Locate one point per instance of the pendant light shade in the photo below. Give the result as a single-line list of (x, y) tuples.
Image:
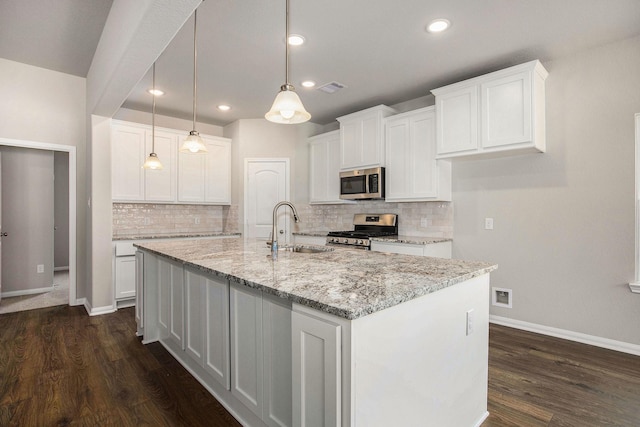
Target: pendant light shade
[(287, 107), (152, 161), (194, 143)]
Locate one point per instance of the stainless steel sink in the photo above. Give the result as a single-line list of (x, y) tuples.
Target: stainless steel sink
[(306, 249)]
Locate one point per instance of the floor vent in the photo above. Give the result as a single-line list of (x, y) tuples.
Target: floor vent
[(332, 87)]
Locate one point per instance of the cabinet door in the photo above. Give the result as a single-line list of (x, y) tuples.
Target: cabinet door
[(194, 290), (333, 169), (160, 185), (423, 169), (350, 144), (218, 171), (276, 322), (140, 291), (370, 144), (125, 277), (318, 171), (398, 158), (127, 158), (164, 297), (246, 346), (316, 353), (191, 177), (216, 321), (176, 311), (506, 110), (457, 115)]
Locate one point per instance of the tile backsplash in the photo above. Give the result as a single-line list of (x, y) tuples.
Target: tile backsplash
[(424, 219), (133, 219)]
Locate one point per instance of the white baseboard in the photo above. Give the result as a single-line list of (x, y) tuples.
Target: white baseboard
[(96, 311), (126, 303), (621, 346), (79, 301), (635, 287), (26, 292)]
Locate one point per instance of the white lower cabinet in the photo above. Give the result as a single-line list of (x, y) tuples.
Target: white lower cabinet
[(139, 258), (309, 240), (317, 370), (171, 301), (261, 354), (207, 324)]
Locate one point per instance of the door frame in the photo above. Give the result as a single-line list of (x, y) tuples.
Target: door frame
[(287, 185), (72, 201)]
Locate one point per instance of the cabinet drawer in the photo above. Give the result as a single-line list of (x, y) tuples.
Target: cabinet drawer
[(125, 249)]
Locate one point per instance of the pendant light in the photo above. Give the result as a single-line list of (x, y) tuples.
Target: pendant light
[(152, 161), (287, 107), (194, 143)]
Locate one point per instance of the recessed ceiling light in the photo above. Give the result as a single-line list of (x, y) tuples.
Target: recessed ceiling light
[(156, 92), (438, 25), (295, 40), (308, 83), (223, 107)]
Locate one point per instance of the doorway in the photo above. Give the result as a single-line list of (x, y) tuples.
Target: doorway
[(69, 154), (266, 183)]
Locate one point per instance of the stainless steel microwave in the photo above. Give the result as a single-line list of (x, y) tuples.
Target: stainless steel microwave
[(362, 184)]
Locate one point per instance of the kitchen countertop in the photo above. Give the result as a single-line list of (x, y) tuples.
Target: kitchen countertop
[(346, 283), (173, 236)]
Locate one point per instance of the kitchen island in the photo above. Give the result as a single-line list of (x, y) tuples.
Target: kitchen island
[(342, 337)]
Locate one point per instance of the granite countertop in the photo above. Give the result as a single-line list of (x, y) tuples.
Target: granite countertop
[(173, 236), (416, 240), (346, 283)]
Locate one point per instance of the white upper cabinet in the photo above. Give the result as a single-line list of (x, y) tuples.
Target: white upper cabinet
[(496, 112), (206, 178), (412, 171), (127, 158), (324, 169), (184, 178), (362, 138), (160, 184)]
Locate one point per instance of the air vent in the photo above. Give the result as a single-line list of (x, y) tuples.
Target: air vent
[(332, 87)]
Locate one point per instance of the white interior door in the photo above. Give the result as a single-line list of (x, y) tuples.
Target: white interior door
[(266, 184)]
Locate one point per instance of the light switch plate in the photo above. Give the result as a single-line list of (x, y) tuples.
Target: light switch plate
[(488, 223)]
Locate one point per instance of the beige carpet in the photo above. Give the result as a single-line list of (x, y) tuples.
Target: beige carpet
[(58, 296)]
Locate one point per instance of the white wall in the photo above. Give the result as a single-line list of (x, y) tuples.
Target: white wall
[(143, 117), (564, 220), (27, 218), (47, 106)]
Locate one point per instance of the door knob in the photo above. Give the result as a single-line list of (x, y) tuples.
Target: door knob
[(281, 231), (4, 234)]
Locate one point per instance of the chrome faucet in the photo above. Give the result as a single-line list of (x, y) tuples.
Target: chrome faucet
[(274, 231)]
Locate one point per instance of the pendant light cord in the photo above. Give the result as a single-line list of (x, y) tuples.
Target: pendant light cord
[(286, 43), (195, 71), (153, 111)]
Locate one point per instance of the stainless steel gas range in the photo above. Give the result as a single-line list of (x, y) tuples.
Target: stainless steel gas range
[(366, 226)]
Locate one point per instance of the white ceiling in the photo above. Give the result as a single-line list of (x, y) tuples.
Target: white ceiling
[(377, 48)]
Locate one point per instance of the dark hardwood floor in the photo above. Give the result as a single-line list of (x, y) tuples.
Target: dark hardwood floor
[(60, 367)]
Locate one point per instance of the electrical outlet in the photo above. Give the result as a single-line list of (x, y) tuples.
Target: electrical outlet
[(40, 268), (469, 322), (197, 220), (147, 221), (424, 222), (502, 297), (488, 223)]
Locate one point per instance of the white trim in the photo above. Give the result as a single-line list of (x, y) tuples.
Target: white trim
[(621, 346), (72, 202), (26, 292), (98, 310), (482, 419), (635, 287), (61, 268)]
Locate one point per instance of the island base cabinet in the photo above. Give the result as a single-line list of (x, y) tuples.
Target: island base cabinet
[(317, 373), (261, 354)]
